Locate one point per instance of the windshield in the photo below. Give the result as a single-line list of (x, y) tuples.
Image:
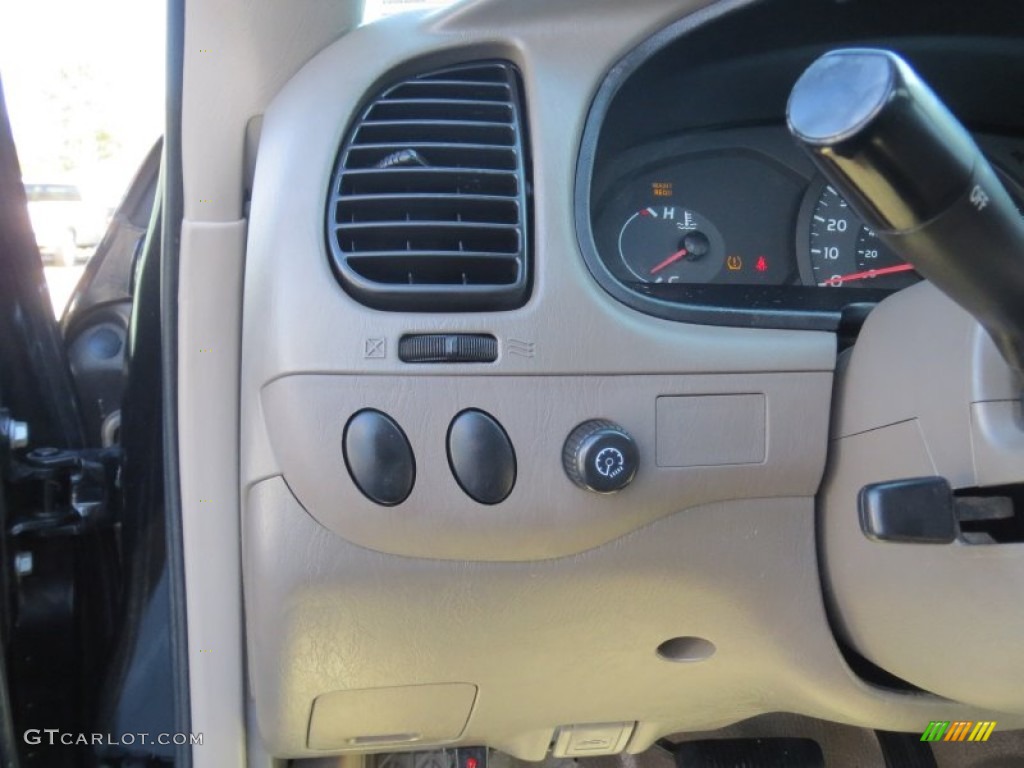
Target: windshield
[(379, 9)]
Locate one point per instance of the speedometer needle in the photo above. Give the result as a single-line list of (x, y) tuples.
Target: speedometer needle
[(838, 279), (681, 253)]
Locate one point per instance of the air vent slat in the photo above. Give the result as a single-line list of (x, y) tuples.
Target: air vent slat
[(399, 269), (428, 210), (447, 89), (424, 256), (469, 111), (436, 155), (455, 131), (436, 237), (406, 228), (476, 181), (426, 207), (496, 72)]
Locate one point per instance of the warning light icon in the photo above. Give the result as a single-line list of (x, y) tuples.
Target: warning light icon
[(762, 264), (661, 189), (734, 263)]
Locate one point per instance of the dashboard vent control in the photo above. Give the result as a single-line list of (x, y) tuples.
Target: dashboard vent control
[(428, 209), (448, 348)]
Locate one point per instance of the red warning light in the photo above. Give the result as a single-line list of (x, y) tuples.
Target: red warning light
[(762, 264), (471, 762)]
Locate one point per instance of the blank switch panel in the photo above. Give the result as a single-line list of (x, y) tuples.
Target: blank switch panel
[(710, 430)]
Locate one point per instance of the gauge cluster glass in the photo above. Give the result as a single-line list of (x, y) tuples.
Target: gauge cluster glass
[(695, 247), (837, 250), (709, 218), (693, 121), (740, 221)]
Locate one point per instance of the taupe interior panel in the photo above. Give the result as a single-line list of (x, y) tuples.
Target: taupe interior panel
[(236, 55), (545, 515), (300, 320), (378, 717), (711, 430), (946, 410), (550, 605), (557, 642)]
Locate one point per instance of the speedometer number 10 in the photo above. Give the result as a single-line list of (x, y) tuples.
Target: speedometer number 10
[(844, 252)]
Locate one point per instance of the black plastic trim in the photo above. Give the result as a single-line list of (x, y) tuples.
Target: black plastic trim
[(745, 306), (756, 306), (917, 510), (761, 752), (173, 214), (448, 348), (379, 457), (905, 750), (35, 378), (425, 277), (481, 456)]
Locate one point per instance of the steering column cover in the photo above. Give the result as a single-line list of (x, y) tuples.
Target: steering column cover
[(926, 393)]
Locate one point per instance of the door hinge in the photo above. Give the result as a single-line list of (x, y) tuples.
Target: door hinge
[(74, 490), (61, 555)]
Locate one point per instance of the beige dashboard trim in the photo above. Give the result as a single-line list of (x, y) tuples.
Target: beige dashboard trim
[(208, 336), (545, 516), (239, 54), (565, 641)]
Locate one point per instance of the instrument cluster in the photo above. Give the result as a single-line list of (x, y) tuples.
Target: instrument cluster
[(739, 219)]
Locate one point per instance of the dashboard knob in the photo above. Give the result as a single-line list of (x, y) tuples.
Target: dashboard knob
[(600, 456)]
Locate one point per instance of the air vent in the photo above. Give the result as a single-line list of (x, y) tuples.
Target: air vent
[(428, 205)]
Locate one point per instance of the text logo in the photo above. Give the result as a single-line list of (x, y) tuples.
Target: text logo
[(978, 198), (958, 730)]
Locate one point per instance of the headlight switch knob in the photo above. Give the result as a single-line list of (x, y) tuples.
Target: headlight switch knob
[(600, 456)]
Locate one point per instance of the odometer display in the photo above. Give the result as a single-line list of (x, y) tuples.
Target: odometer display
[(844, 253)]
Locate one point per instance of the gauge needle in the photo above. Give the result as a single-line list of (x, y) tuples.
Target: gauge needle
[(867, 274), (681, 253)]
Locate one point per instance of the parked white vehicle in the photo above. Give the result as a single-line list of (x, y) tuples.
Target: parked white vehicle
[(63, 222)]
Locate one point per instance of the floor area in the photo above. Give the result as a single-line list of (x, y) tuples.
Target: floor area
[(843, 746)]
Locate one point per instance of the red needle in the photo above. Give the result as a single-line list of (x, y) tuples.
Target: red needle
[(670, 260), (869, 273)]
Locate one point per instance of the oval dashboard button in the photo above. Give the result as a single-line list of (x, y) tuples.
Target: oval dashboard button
[(481, 457), (379, 457)]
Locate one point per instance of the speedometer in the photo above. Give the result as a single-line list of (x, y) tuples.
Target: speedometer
[(839, 251)]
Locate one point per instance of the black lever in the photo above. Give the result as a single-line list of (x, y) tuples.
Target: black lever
[(907, 166)]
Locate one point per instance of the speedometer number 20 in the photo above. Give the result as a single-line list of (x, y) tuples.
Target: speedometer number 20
[(844, 252)]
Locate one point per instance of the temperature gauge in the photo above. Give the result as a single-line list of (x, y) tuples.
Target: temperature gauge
[(670, 244)]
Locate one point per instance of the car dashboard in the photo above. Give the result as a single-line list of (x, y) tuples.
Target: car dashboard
[(735, 226), (497, 248), (688, 135)]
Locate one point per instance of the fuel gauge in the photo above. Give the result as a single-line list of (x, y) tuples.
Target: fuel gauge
[(671, 244)]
